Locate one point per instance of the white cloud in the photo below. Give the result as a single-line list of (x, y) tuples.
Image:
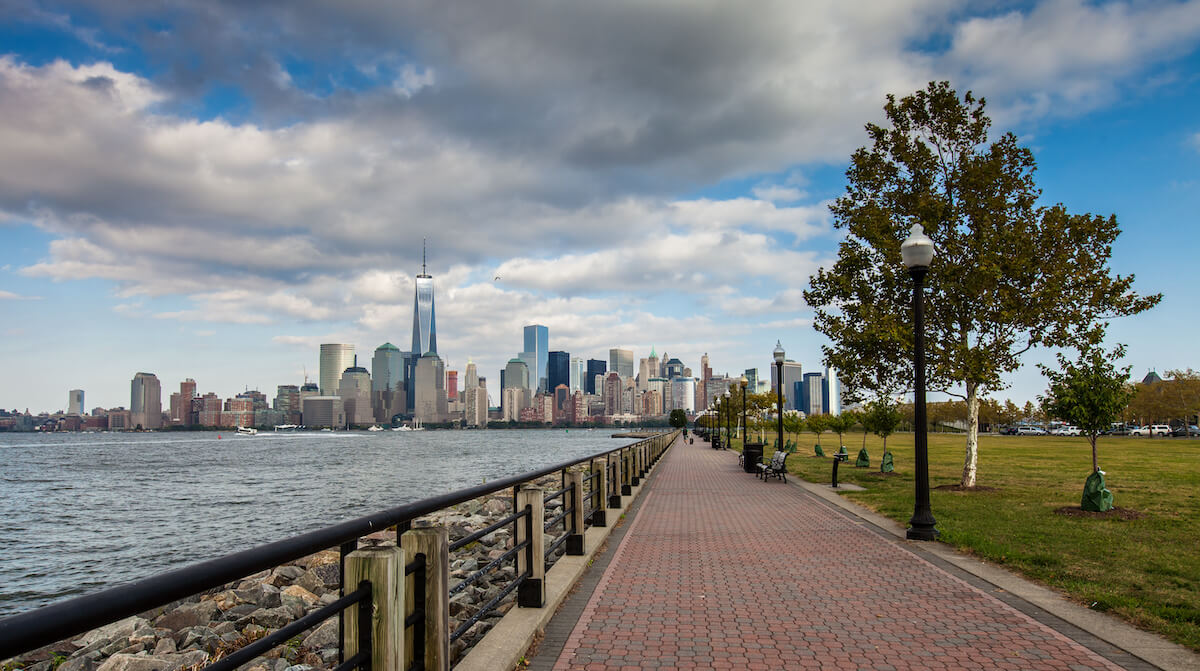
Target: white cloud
[(10, 296)]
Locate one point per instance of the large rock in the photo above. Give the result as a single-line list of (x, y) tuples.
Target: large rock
[(152, 662), (298, 593), (82, 663), (320, 578), (325, 636), (271, 618), (119, 629), (320, 559), (189, 615), (495, 507)]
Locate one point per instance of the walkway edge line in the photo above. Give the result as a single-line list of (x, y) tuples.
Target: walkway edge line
[(1149, 647), (508, 641)]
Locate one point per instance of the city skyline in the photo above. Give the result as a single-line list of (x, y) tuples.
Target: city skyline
[(205, 200)]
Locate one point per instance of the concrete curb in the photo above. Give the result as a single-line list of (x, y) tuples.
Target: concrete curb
[(1149, 647), (509, 640)]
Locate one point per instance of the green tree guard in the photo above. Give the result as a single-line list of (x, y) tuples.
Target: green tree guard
[(1096, 496), (817, 451), (863, 460), (886, 465), (843, 453)]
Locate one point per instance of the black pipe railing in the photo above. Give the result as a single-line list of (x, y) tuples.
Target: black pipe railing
[(28, 631)]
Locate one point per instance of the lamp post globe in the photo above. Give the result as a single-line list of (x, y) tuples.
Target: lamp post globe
[(917, 253), (779, 358)]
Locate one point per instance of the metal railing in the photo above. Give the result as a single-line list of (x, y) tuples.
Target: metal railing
[(60, 621)]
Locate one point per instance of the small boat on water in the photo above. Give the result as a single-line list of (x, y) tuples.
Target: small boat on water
[(416, 426), (247, 431), (375, 428), (287, 427)]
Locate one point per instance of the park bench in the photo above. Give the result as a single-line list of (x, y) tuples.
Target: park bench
[(776, 469)]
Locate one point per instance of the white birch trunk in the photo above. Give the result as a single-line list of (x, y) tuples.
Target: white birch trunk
[(970, 465)]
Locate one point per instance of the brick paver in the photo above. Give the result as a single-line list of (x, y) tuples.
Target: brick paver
[(722, 571)]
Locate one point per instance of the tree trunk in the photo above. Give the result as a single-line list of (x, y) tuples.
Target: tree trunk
[(972, 458), (1095, 460)]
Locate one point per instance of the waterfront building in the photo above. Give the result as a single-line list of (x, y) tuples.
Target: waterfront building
[(287, 403), (530, 359), (75, 402), (424, 330), (537, 343), (430, 389), (577, 371), (716, 386), (335, 359), (653, 364), (683, 394), (256, 397), (811, 393), (355, 392), (579, 407), (558, 370), (471, 377), (324, 412), (181, 404), (120, 419), (475, 397), (239, 411), (831, 393), (514, 401), (652, 403), (210, 409), (451, 385), (702, 383), (672, 369), (516, 374), (593, 380), (621, 361), (562, 399), (643, 376), (791, 375), (752, 379), (145, 404), (612, 393), (387, 368)]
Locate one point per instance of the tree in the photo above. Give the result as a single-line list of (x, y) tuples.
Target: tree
[(1090, 393), (882, 418), (817, 424), (842, 423), (1009, 275), (678, 418)]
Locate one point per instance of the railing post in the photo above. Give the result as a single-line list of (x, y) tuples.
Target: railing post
[(578, 522), (600, 488), (613, 480), (532, 592), (431, 636), (626, 484), (383, 566)]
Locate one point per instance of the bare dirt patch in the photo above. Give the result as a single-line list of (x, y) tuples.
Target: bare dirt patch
[(1115, 513)]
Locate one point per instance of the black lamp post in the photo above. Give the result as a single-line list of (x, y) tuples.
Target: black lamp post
[(779, 354), (917, 253), (728, 416), (744, 382)]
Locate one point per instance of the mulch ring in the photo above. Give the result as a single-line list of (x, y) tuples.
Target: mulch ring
[(1114, 513), (960, 488)]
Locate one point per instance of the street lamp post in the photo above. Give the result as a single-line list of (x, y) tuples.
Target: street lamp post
[(728, 414), (779, 354), (917, 253), (744, 382)]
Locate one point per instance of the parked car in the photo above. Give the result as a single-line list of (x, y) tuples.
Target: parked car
[(1182, 430), (1118, 429), (1008, 430), (1151, 430), (1067, 430), (1030, 431)]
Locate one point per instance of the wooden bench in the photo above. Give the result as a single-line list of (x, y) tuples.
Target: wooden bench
[(777, 468)]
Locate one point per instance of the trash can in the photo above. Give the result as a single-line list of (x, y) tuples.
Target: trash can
[(752, 456)]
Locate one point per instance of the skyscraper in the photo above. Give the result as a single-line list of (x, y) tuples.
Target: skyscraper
[(594, 367), (537, 343), (75, 402), (335, 358), (558, 370), (791, 375), (621, 361), (388, 391), (577, 371), (811, 393), (429, 388), (424, 334), (145, 401), (831, 389), (471, 377), (354, 388)]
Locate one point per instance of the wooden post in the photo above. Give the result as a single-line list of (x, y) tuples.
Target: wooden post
[(626, 484), (614, 462), (532, 592), (635, 466), (578, 523), (600, 487), (383, 565), (433, 544)]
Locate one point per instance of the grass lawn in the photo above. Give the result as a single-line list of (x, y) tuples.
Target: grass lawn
[(1146, 569)]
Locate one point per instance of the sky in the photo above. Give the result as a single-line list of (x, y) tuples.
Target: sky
[(212, 189)]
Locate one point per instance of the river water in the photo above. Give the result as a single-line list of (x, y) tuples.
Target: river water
[(82, 512)]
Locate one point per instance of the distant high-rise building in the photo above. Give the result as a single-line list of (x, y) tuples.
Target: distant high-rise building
[(558, 370), (537, 343), (181, 404), (576, 374), (388, 388), (514, 376), (620, 361), (752, 377), (287, 401), (673, 369), (335, 359), (355, 391), (475, 397), (702, 383), (451, 385), (324, 412), (145, 404), (791, 375), (683, 394), (595, 367), (430, 389), (831, 392), (654, 364), (75, 402), (612, 393), (811, 393), (471, 379), (424, 331)]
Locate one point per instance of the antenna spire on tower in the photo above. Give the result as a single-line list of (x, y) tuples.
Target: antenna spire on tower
[(423, 272)]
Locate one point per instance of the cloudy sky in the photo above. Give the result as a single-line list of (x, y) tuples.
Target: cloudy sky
[(211, 189)]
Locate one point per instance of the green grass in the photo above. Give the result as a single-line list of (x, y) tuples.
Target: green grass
[(1145, 570)]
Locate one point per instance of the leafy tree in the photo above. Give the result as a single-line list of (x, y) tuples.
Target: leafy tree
[(817, 424), (1009, 275), (882, 418), (678, 418), (842, 423)]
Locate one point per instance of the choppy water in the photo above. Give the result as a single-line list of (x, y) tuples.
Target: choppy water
[(81, 512)]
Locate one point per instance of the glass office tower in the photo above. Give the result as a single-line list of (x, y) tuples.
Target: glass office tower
[(537, 343)]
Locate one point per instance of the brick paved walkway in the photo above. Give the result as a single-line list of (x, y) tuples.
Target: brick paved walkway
[(720, 570)]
